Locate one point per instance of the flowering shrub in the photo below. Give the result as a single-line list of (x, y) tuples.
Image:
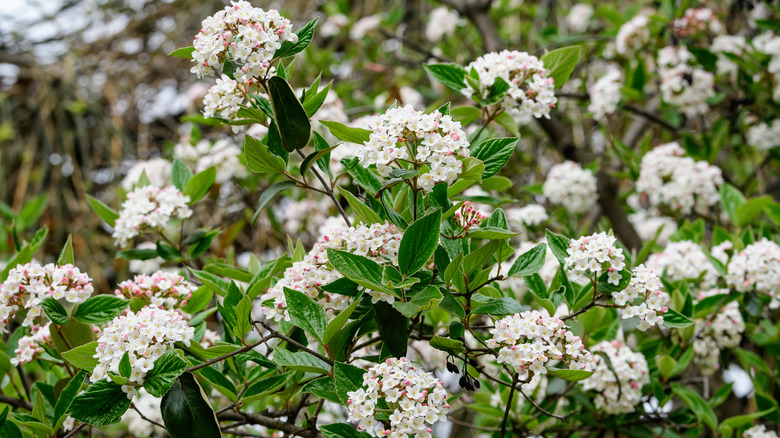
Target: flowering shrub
[(576, 239)]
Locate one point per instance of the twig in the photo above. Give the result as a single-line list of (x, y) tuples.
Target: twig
[(132, 405), (508, 405), (75, 431), (297, 344), (233, 353)]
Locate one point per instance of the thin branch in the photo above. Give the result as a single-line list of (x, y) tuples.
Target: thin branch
[(225, 356), (132, 405)]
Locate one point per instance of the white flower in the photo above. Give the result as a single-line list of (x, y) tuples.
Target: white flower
[(157, 170), (593, 255), (684, 260), (632, 35), (605, 93), (149, 206), (404, 134), (571, 186), (695, 21), (647, 226), (442, 23), (531, 91), (531, 215), (30, 346), (646, 286), (733, 44), (757, 267), (363, 26), (682, 84), (764, 136), (759, 431), (678, 182), (224, 98), (579, 17), (417, 398), (621, 395), (723, 331), (250, 35)]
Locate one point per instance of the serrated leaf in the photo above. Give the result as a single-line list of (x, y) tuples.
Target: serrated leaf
[(103, 403), (560, 63), (306, 313), (494, 154), (100, 309), (166, 369)]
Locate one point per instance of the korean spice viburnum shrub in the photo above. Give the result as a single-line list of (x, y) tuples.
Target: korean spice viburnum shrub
[(406, 138), (416, 399), (379, 242), (530, 341), (531, 91), (143, 336), (618, 381)]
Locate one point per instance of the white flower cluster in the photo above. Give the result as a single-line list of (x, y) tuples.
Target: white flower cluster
[(645, 285), (769, 44), (682, 84), (579, 17), (166, 290), (684, 260), (678, 182), (224, 98), (145, 336), (379, 242), (157, 170), (596, 254), (442, 22), (28, 285), (531, 91), (695, 21), (30, 346), (304, 216), (647, 226), (571, 186), (249, 36), (757, 267), (764, 136), (417, 398), (734, 44), (531, 215), (529, 340), (759, 431), (632, 35), (605, 93), (619, 383), (723, 331), (405, 135), (149, 206), (222, 154)]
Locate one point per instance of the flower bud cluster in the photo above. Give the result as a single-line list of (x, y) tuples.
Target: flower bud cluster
[(684, 260), (596, 254), (222, 154), (646, 286), (246, 35), (530, 340), (149, 206), (404, 135), (757, 267), (379, 242), (145, 336), (30, 346), (605, 93), (417, 398), (632, 35), (676, 181), (682, 84), (166, 290), (531, 90), (619, 382), (571, 186), (723, 331), (27, 285), (695, 21), (467, 216)]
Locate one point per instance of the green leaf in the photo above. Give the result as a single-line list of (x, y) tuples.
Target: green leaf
[(494, 153), (100, 309), (166, 369), (314, 157), (418, 243), (393, 328), (359, 269), (243, 318), (183, 52), (269, 194), (530, 262), (363, 213), (466, 114), (499, 307), (675, 319), (200, 184), (570, 375), (347, 378), (300, 361), (66, 256), (71, 335), (491, 233), (559, 245), (54, 311), (66, 398), (742, 420), (291, 119), (220, 382), (217, 285), (265, 386), (731, 199), (259, 159), (180, 174), (305, 35), (480, 257), (697, 404), (750, 210), (448, 345), (81, 356), (103, 403), (666, 365), (108, 214), (315, 99), (472, 171), (342, 430), (30, 212), (335, 325), (450, 75), (124, 365), (186, 410), (346, 133), (423, 300), (561, 63), (306, 313), (605, 286)]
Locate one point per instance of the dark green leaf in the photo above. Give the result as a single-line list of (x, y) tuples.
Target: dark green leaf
[(530, 262), (291, 119), (418, 243), (393, 328), (166, 369), (124, 365), (494, 153), (55, 311), (306, 313), (697, 404), (66, 398), (500, 307), (103, 403), (347, 378), (559, 245), (269, 194), (305, 35), (186, 411)]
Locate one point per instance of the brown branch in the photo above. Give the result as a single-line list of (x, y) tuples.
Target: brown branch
[(269, 422), (15, 402)]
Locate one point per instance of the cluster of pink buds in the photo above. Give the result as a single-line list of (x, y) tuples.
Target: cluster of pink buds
[(467, 217)]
